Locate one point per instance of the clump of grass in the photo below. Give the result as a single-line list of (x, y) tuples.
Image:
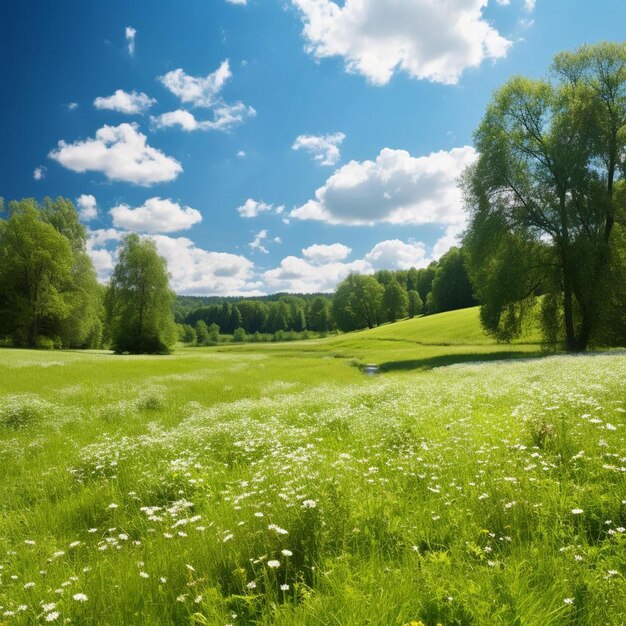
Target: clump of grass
[(18, 411)]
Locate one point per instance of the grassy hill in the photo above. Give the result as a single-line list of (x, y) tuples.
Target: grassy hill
[(418, 343)]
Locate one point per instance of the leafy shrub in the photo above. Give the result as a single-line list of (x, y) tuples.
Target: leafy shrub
[(45, 343)]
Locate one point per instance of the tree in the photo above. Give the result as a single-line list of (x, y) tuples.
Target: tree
[(214, 333), (358, 302), (451, 287), (395, 301), (36, 288), (416, 305), (139, 300), (545, 185), (188, 334), (202, 333), (320, 315), (35, 271)]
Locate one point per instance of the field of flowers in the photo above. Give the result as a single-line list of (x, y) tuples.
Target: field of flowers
[(240, 488)]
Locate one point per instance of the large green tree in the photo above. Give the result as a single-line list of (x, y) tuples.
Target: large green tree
[(35, 271), (358, 302), (139, 300), (543, 196)]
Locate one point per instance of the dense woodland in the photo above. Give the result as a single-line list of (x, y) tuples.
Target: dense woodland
[(546, 243)]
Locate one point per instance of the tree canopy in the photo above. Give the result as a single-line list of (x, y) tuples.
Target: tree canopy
[(543, 196), (139, 300)]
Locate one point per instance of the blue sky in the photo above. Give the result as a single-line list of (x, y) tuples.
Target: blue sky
[(266, 145)]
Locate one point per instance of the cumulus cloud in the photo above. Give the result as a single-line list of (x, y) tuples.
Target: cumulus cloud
[(253, 208), (394, 254), (240, 2), (132, 103), (72, 106), (396, 188), (297, 275), (130, 34), (39, 173), (155, 215), (194, 270), (322, 267), (197, 91), (321, 253), (257, 243), (323, 148), (87, 207), (102, 256), (225, 118), (428, 40), (529, 5), (120, 153)]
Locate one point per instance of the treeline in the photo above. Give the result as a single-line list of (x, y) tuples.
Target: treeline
[(50, 296), (359, 302)]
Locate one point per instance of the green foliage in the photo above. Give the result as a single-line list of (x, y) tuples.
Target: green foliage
[(47, 281), (139, 300), (35, 270), (451, 287), (544, 195), (202, 333), (415, 306), (214, 333), (239, 335), (358, 302), (395, 301)]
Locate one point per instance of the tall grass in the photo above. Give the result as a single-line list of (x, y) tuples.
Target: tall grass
[(240, 488)]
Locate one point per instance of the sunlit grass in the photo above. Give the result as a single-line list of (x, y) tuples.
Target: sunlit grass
[(279, 485)]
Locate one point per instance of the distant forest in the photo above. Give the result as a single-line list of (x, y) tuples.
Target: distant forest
[(50, 297)]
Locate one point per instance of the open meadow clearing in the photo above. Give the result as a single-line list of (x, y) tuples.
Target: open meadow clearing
[(276, 484)]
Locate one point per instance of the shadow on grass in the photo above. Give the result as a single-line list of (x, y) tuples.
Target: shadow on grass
[(452, 359)]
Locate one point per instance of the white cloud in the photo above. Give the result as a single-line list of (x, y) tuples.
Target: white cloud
[(323, 267), (324, 148), (225, 118), (155, 215), (396, 188), (103, 258), (252, 208), (396, 255), (130, 103), (72, 106), (87, 207), (39, 173), (321, 253), (299, 275), (196, 90), (529, 5), (240, 2), (194, 270), (130, 33), (257, 242), (120, 153), (241, 154), (428, 39)]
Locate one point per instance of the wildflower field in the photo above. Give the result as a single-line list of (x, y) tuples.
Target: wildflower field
[(269, 484)]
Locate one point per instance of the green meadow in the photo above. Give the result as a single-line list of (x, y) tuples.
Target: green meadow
[(469, 482)]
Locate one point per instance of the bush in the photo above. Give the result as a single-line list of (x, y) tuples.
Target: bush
[(239, 335), (45, 343)]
